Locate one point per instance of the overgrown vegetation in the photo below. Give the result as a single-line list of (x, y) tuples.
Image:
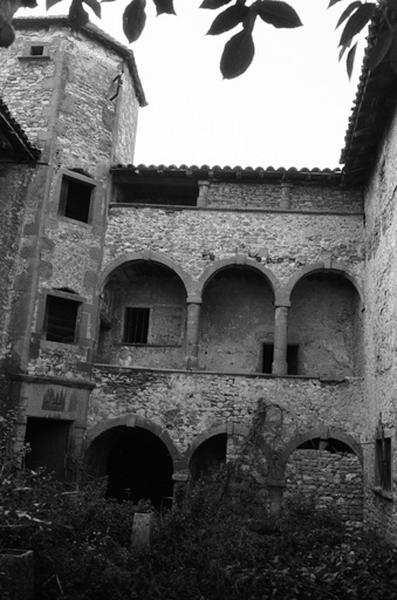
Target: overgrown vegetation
[(214, 546)]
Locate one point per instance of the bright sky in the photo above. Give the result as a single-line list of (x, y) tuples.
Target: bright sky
[(289, 109)]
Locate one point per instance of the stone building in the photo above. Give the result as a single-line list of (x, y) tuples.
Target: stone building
[(154, 317)]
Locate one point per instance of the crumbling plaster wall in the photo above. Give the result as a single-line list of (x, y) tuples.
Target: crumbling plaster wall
[(164, 295), (237, 317), (380, 318), (325, 323)]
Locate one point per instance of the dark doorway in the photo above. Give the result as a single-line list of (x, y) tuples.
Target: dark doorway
[(209, 456), (137, 464), (48, 440)]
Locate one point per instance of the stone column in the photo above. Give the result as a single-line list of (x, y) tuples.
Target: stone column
[(192, 332), (203, 193), (280, 366)]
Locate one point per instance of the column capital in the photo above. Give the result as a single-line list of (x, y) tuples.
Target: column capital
[(193, 299), (283, 304)]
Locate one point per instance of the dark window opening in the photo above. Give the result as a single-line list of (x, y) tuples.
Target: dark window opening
[(383, 463), (183, 192), (75, 199), (330, 445), (48, 441), (292, 358), (136, 325), (61, 319), (267, 358), (36, 50)]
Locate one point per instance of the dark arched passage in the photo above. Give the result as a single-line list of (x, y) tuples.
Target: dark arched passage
[(136, 462), (208, 456)]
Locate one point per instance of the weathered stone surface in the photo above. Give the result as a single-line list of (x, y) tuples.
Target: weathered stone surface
[(321, 480)]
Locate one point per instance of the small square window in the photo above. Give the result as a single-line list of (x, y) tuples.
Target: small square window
[(383, 463), (75, 200), (36, 50), (136, 325), (61, 319)]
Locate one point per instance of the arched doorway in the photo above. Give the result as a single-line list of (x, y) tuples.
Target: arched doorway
[(136, 462), (208, 457), (325, 474)]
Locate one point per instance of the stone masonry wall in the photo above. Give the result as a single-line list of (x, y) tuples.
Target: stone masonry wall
[(326, 481), (14, 182), (380, 318), (285, 241), (188, 404), (67, 94), (305, 196)]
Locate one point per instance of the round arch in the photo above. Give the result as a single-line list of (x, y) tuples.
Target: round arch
[(147, 256), (320, 268), (223, 428), (132, 420), (237, 260), (322, 433)]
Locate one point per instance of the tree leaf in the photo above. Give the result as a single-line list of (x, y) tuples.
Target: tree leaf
[(278, 14), (50, 3), (380, 49), (350, 60), (78, 17), (7, 34), (393, 56), (237, 54), (94, 6), (347, 12), (134, 18), (164, 6), (213, 3), (228, 19), (357, 22)]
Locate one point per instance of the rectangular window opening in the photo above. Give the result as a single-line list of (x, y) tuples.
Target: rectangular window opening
[(75, 199), (36, 50), (292, 358), (136, 325), (61, 319), (383, 463)]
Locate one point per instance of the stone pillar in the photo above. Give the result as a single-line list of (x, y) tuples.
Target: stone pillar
[(192, 332), (203, 193), (180, 480), (280, 366)]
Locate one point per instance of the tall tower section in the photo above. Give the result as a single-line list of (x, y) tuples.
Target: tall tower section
[(76, 95)]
